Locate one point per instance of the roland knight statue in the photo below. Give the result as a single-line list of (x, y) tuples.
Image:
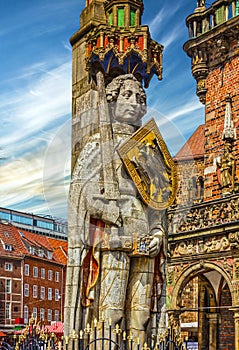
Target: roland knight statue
[(124, 179)]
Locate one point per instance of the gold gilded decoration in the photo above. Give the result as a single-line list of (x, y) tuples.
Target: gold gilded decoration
[(148, 162)]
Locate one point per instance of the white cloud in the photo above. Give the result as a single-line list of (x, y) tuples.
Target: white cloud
[(172, 36), (35, 107), (185, 109), (32, 118)]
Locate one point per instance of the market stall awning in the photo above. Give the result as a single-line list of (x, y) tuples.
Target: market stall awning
[(56, 327)]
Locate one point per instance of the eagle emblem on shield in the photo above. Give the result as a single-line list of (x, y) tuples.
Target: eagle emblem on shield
[(150, 165)]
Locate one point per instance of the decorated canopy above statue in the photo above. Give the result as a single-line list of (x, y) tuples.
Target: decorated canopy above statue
[(117, 43)]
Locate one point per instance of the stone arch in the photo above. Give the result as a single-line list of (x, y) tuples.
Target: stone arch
[(191, 271)]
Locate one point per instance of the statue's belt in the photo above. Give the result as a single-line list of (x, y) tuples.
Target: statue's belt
[(135, 244)]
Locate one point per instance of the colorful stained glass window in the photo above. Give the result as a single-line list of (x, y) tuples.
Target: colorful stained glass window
[(121, 17), (132, 17), (237, 8), (110, 18), (219, 15)]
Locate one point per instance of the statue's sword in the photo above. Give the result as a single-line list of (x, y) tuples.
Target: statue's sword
[(110, 193), (110, 183)]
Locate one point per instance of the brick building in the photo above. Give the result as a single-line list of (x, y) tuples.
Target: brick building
[(32, 276), (203, 264)]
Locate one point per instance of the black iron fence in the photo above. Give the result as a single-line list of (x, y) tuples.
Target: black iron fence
[(101, 336)]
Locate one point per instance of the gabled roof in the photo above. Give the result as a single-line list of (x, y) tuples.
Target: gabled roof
[(194, 147), (60, 249), (20, 240), (9, 236)]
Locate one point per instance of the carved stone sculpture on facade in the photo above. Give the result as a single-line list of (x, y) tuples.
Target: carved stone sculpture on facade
[(227, 170), (116, 242), (227, 162)]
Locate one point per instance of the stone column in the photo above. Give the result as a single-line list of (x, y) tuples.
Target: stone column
[(212, 322), (236, 323)]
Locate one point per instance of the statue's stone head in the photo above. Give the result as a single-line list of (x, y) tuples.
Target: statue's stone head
[(127, 100)]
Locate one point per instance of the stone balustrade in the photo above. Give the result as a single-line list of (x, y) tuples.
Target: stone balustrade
[(204, 19)]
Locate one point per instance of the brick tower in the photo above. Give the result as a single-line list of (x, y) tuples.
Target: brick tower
[(213, 47), (204, 240)]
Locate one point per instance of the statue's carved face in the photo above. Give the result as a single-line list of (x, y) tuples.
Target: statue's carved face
[(130, 106), (127, 99)]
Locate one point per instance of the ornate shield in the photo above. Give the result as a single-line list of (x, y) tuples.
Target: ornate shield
[(149, 163)]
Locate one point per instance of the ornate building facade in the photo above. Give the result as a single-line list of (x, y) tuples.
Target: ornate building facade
[(203, 261)]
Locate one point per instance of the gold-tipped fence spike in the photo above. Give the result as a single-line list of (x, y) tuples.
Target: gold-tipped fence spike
[(117, 329), (74, 335), (88, 330), (130, 336), (145, 347), (102, 318)]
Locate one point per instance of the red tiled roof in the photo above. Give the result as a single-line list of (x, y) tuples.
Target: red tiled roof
[(194, 147), (9, 235), (20, 239), (60, 249)]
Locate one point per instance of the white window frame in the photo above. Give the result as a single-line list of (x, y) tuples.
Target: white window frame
[(34, 291), (34, 312), (31, 250), (57, 295), (56, 315), (50, 275), (8, 311), (49, 315), (8, 247), (49, 293), (42, 314), (49, 255), (26, 270), (8, 266), (57, 276), (43, 273), (42, 297), (35, 271), (26, 313), (26, 290), (8, 286), (41, 253)]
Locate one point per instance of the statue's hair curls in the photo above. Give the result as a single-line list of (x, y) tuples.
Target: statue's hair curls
[(113, 88)]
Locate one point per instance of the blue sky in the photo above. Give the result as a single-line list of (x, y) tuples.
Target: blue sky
[(35, 99)]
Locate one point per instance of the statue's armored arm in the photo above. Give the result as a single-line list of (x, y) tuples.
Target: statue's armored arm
[(103, 209), (156, 231)]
